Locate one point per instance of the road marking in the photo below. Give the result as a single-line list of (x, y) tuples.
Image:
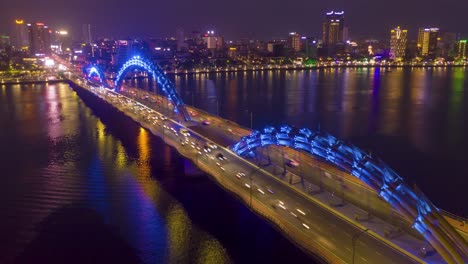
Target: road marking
[(364, 259), (348, 249)]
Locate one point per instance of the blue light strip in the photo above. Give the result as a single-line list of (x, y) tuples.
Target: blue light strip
[(94, 70), (157, 74), (376, 174)]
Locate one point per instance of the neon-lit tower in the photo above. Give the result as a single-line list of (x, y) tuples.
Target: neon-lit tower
[(398, 40), (332, 28)]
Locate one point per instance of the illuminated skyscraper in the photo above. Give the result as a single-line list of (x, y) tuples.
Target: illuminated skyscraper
[(398, 39), (332, 28), (210, 40), (39, 39), (461, 54), (20, 39), (427, 41), (294, 41)]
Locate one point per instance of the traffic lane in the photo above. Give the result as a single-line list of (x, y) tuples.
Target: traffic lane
[(332, 224), (217, 137), (415, 243), (316, 231), (361, 196)]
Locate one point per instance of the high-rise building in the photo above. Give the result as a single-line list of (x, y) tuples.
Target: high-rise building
[(39, 39), (332, 28), (87, 37), (210, 39), (398, 39), (427, 41), (461, 54), (20, 38), (294, 41)]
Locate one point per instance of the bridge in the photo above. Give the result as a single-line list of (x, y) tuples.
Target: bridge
[(401, 227)]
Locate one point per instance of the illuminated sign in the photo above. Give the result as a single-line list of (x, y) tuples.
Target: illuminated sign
[(19, 21)]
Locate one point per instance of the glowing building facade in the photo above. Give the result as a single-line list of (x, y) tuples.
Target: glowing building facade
[(461, 53), (332, 28), (294, 41), (427, 41), (398, 40)]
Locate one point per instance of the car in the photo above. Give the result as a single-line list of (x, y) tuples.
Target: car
[(206, 148), (292, 163), (240, 175), (211, 145), (220, 156), (206, 122), (184, 132)]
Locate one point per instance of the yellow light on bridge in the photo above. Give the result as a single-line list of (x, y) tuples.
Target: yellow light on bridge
[(19, 21)]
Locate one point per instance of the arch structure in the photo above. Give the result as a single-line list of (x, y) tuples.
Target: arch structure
[(156, 73), (413, 205), (94, 70)]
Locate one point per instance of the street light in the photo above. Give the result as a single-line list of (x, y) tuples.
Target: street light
[(355, 238)]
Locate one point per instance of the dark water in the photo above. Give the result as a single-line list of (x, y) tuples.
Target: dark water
[(86, 185), (413, 119)]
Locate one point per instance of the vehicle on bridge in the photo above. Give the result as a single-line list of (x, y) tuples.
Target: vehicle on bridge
[(184, 132), (292, 163)]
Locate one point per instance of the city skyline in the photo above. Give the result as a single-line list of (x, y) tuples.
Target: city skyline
[(260, 20)]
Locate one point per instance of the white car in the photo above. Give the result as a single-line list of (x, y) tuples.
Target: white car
[(184, 132), (211, 145)]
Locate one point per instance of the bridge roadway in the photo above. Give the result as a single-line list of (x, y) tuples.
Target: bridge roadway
[(225, 132), (309, 222), (315, 173)]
